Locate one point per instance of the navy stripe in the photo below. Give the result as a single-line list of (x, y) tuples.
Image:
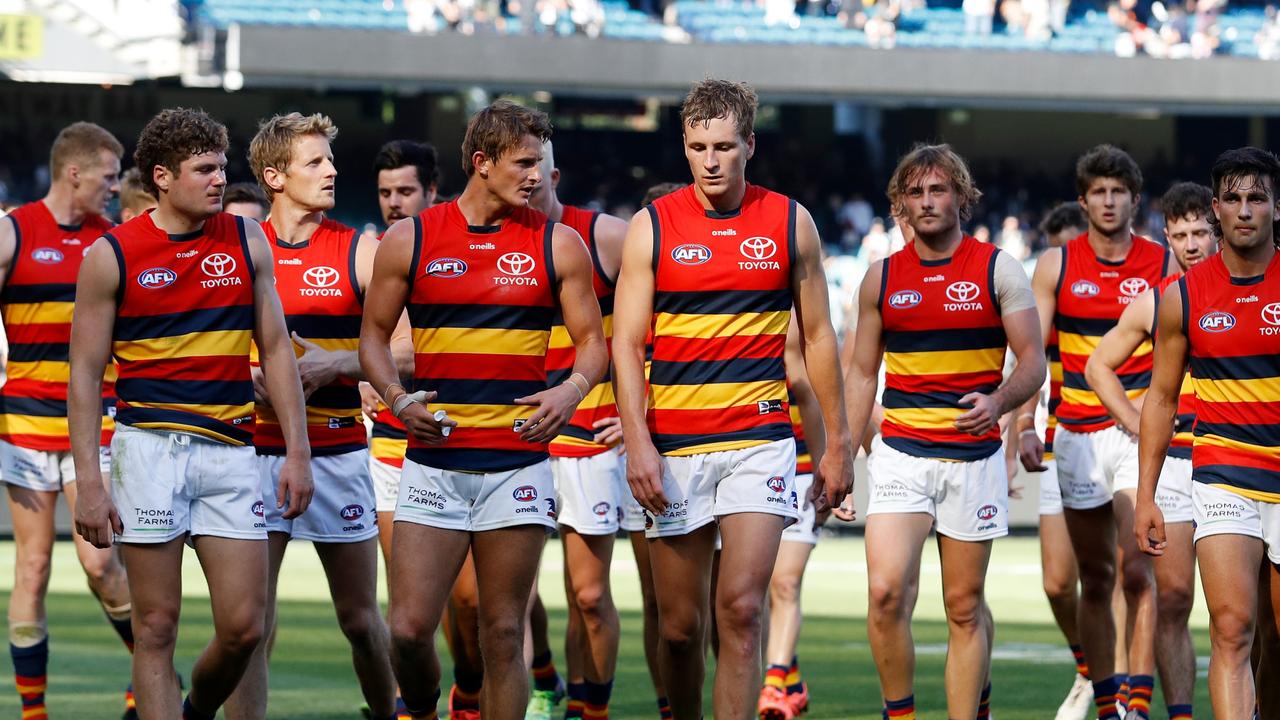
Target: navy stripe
[(722, 302), (964, 452), (383, 430), (1237, 476), (1242, 367), (482, 392), (37, 407), (146, 327), (657, 237), (316, 451), (884, 283), (1092, 327), (1130, 381), (43, 292), (37, 352), (186, 392), (244, 247), (1186, 306), (1062, 274), (120, 284), (17, 241), (1266, 435), (417, 252), (142, 415), (1070, 423), (606, 309), (991, 282), (475, 460), (1052, 353), (498, 317), (1184, 422), (336, 397), (1182, 453), (609, 282), (793, 249), (703, 372), (802, 447), (580, 433), (557, 377), (335, 327), (351, 268), (671, 442), (896, 399), (906, 341), (549, 255)]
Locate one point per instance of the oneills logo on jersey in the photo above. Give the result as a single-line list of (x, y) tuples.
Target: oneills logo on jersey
[(758, 251), (963, 296), (1084, 289), (46, 256), (691, 254), (1271, 316), (219, 267), (905, 299), (1217, 321), (515, 267), (156, 278), (447, 267), (321, 280)]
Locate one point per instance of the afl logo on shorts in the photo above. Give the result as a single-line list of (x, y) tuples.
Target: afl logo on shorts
[(46, 256), (1217, 321), (776, 484), (525, 493), (447, 268), (905, 299), (987, 512), (1084, 289), (258, 508), (601, 509), (351, 513), (157, 278), (691, 254)]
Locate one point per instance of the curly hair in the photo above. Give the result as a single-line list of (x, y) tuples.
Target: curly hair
[(714, 99), (272, 147), (80, 143), (926, 158), (500, 128), (1187, 200), (1107, 161), (134, 197), (1234, 167), (171, 137)]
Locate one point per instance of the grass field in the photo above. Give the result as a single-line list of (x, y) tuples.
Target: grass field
[(312, 679)]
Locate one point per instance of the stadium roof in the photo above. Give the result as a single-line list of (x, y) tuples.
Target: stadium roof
[(68, 56)]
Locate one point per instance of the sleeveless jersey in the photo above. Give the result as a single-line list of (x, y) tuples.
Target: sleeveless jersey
[(322, 302), (721, 307), (184, 327), (1233, 332), (36, 305), (1185, 420), (1091, 295), (1054, 358), (804, 460), (575, 439), (943, 339), (481, 304)]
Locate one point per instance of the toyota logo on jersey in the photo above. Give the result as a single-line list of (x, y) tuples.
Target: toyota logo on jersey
[(514, 267), (320, 276), (963, 291), (758, 251), (1134, 286), (1271, 316), (218, 265)]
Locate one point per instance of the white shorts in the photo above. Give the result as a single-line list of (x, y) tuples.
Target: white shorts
[(968, 500), (386, 485), (705, 487), (1050, 492), (1173, 494), (342, 507), (1222, 512), (1093, 466), (169, 484), (803, 531), (43, 470), (475, 502), (592, 492), (633, 518)]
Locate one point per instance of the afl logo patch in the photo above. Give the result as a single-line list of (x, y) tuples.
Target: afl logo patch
[(987, 512), (525, 493), (447, 268), (1217, 321), (351, 512), (258, 508), (156, 278), (1084, 289), (905, 299), (691, 254), (47, 256), (601, 509), (776, 484)]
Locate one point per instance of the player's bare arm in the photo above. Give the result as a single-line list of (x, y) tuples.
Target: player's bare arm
[(8, 247), (91, 329), (581, 313), (280, 375), (384, 306), (806, 402), (610, 233), (1044, 286), (633, 310), (1116, 347), (821, 361), (1158, 413), (864, 365), (1022, 328)]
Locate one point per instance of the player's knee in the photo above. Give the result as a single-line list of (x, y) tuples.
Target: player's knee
[(502, 639), (964, 608), (155, 628), (1059, 587), (33, 570), (682, 631), (1173, 605), (1231, 632), (784, 590), (464, 602), (242, 634), (887, 600), (592, 601), (1136, 577), (1097, 580), (409, 630), (741, 612), (360, 624)]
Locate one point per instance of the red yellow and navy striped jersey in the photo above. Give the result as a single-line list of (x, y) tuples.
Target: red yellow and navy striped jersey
[(1233, 333), (481, 304), (721, 307), (184, 328), (388, 439), (1054, 358), (1091, 295), (1185, 419), (804, 460), (322, 302), (36, 305), (943, 339), (575, 440)]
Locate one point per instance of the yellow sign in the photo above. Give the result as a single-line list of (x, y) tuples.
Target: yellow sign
[(21, 37)]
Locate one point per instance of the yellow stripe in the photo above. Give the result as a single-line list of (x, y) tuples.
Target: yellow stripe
[(41, 371), (924, 418), (31, 687), (944, 361), (35, 425), (1259, 495), (574, 441), (332, 344), (480, 341), (386, 447), (223, 413), (485, 416), (196, 344), (1075, 396), (717, 447), (1242, 391), (43, 313), (601, 394), (192, 429), (1072, 344), (559, 339), (720, 326), (1055, 371), (716, 395), (1188, 385), (1266, 451)]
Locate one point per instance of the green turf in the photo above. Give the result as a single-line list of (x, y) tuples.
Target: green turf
[(312, 680)]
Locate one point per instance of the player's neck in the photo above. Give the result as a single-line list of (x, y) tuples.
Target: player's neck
[(1250, 262), (62, 205), (1110, 247), (293, 223), (726, 202), (480, 207), (938, 247), (555, 208), (175, 222)]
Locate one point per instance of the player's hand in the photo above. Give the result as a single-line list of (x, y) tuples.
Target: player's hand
[(644, 476), (260, 396), (421, 423), (95, 516), (834, 478), (369, 400), (1015, 491), (984, 415), (295, 488), (315, 366), (845, 511), (608, 431), (1148, 527), (820, 519), (1031, 451), (555, 408)]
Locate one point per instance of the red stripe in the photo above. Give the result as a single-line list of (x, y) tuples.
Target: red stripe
[(713, 421), (269, 435), (891, 429), (677, 349), (1214, 455), (468, 366), (487, 439), (1237, 413), (209, 367), (942, 382), (560, 358), (52, 333)]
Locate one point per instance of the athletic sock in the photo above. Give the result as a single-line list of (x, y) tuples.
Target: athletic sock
[(795, 684), (776, 676), (120, 622), (544, 672), (1140, 687), (1122, 691), (427, 713), (189, 712), (595, 698), (904, 709), (577, 704), (1104, 697), (664, 709), (30, 668), (1082, 667), (466, 691), (130, 702), (1180, 712), (984, 703)]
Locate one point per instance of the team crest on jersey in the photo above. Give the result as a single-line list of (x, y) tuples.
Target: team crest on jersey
[(905, 299), (156, 278), (758, 250), (1085, 289), (47, 256), (691, 254), (447, 268), (515, 268), (1217, 321)]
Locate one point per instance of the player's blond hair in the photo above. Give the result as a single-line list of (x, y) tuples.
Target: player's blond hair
[(499, 128), (714, 99), (272, 147), (134, 196), (80, 143), (926, 158)]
